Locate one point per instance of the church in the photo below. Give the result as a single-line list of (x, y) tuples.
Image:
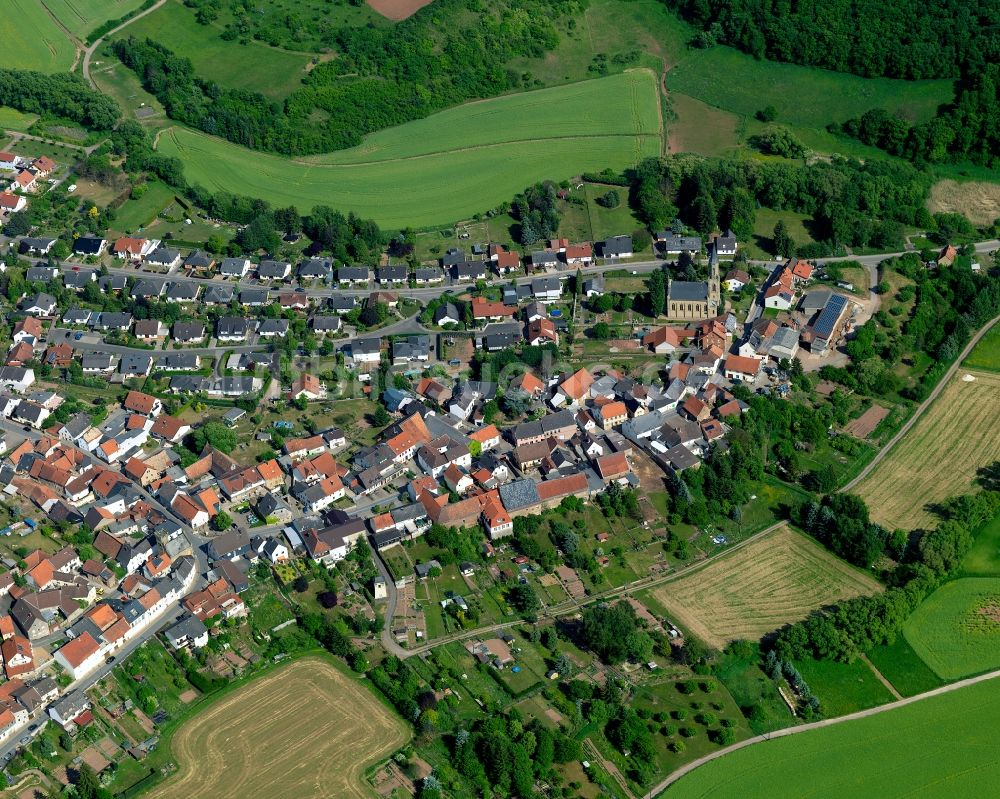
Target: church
[(694, 299)]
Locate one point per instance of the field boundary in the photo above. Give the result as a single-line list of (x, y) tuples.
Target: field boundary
[(658, 789)]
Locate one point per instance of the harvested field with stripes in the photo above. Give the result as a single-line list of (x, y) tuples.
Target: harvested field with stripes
[(305, 730), (775, 580), (939, 456)]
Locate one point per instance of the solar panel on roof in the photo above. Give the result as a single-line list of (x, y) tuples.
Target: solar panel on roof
[(829, 315)]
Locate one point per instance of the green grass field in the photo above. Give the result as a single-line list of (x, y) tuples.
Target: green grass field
[(956, 630), (700, 127), (82, 16), (983, 559), (452, 164), (938, 748), (32, 38), (986, 354), (843, 687), (136, 213), (903, 667), (12, 119), (254, 66), (803, 96)]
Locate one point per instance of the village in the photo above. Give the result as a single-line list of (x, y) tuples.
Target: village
[(171, 432)]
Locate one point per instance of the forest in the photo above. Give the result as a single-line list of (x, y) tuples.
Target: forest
[(64, 96), (382, 77)]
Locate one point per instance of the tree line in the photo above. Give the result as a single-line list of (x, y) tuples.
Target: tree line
[(925, 559)]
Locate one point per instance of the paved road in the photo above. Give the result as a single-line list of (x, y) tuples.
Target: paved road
[(168, 615), (662, 786), (941, 385)]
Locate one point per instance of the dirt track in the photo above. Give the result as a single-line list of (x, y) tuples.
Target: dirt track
[(305, 731)]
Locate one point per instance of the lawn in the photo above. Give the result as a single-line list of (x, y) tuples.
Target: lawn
[(956, 630), (759, 588), (253, 66), (939, 456), (803, 96), (763, 230), (903, 667), (938, 748), (452, 164), (135, 214), (986, 354), (83, 16), (843, 688), (338, 726), (119, 82), (33, 39)]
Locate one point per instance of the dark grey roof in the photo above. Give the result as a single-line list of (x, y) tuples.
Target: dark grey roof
[(452, 257), (323, 323), (148, 287), (391, 274), (218, 295), (79, 279), (519, 494), (186, 331), (616, 245), (254, 296), (447, 309), (232, 266), (233, 326), (163, 255), (182, 291), (177, 360), (469, 269), (198, 259), (315, 267), (688, 290), (135, 364), (274, 269)]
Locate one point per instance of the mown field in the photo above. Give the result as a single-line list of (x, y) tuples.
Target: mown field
[(304, 730), (32, 40), (82, 16), (943, 747), (254, 66), (939, 456), (777, 579), (453, 164), (956, 630)]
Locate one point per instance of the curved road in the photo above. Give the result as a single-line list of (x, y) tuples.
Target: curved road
[(922, 407), (89, 52), (944, 689)]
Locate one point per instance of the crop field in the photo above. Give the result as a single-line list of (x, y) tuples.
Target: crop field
[(253, 66), (82, 16), (943, 747), (32, 39), (977, 200), (939, 456), (450, 165), (304, 730), (803, 96), (956, 630), (773, 581)]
